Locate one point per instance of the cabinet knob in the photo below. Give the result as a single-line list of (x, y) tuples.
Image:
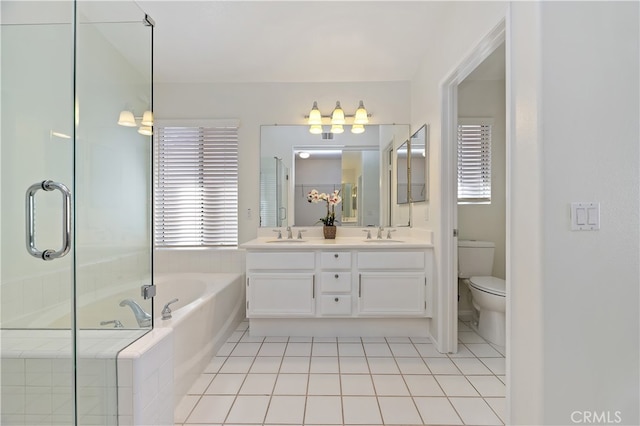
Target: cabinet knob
[(336, 276), (336, 299), (335, 255)]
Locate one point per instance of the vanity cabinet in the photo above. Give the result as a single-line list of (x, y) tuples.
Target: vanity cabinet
[(343, 283), (280, 284)]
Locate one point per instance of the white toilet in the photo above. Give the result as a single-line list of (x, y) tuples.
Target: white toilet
[(475, 265)]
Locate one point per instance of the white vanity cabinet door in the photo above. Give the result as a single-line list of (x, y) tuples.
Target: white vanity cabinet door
[(391, 293), (280, 295)]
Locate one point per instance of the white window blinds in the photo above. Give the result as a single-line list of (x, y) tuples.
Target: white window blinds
[(196, 186), (474, 163)]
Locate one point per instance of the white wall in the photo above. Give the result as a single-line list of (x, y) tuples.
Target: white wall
[(577, 90), (256, 104)]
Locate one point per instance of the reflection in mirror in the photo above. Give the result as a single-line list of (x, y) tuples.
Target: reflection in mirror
[(418, 165), (294, 161), (402, 173)]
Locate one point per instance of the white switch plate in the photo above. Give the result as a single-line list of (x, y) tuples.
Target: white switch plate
[(585, 216)]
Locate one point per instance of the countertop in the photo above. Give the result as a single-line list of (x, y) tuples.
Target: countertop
[(273, 243)]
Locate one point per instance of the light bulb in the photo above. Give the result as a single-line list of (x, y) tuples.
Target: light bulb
[(315, 117), (337, 117), (337, 128), (315, 129), (361, 116), (357, 128), (127, 119), (147, 119)]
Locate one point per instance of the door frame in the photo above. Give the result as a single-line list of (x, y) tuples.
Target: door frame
[(449, 181)]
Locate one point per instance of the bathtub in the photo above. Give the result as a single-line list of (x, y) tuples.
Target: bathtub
[(209, 308)]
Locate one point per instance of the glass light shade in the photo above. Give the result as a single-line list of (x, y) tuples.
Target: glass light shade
[(361, 115), (337, 116), (357, 128), (304, 155), (316, 129), (127, 119), (145, 130), (337, 128), (315, 117), (147, 119)]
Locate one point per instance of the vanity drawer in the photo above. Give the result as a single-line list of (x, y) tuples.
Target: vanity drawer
[(391, 260), (281, 260), (335, 260), (335, 305), (337, 281)]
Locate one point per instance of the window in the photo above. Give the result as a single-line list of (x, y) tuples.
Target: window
[(474, 163), (196, 185)]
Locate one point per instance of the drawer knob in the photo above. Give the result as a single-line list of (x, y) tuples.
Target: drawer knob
[(336, 299), (336, 276), (335, 255)]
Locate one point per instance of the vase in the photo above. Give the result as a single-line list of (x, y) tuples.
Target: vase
[(329, 232)]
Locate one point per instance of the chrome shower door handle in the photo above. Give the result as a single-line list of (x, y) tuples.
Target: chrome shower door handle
[(48, 254)]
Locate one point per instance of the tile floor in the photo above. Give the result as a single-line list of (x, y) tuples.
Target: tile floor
[(348, 381)]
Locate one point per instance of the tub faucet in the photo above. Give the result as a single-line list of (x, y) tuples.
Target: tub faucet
[(116, 323), (166, 311), (143, 318)]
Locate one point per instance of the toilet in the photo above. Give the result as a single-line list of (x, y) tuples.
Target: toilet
[(488, 293)]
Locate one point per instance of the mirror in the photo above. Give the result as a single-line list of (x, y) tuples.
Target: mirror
[(418, 165), (358, 165)]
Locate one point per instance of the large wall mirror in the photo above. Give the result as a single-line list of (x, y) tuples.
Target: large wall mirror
[(412, 168), (293, 162)]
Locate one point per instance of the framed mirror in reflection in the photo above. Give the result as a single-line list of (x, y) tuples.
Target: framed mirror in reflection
[(412, 168), (295, 162)]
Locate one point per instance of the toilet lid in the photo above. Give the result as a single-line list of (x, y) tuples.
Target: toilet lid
[(490, 285)]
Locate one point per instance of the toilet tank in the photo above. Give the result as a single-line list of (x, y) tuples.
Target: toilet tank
[(475, 258)]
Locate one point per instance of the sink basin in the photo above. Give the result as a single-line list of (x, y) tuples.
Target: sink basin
[(384, 240), (287, 241)]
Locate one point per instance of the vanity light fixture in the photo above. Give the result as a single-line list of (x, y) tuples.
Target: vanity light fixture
[(127, 119), (337, 119)]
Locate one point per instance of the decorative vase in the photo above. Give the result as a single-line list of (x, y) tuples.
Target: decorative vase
[(329, 232)]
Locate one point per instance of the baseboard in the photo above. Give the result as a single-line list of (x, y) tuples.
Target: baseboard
[(465, 315)]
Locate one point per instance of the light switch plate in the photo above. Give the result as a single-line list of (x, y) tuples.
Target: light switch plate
[(585, 216)]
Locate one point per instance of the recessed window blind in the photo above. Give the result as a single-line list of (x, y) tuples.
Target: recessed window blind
[(474, 163), (196, 186)]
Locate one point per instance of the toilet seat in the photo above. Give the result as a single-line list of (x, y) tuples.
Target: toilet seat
[(491, 285)]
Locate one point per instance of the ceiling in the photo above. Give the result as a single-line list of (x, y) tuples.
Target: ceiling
[(289, 41)]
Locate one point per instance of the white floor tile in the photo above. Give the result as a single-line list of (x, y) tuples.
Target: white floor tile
[(437, 411), (237, 365), (324, 349), (383, 366), (356, 384), (463, 352), (423, 385), (291, 384), (350, 349), (412, 366), (215, 364), (201, 384), (248, 338), (428, 350), (276, 339), (235, 336), (488, 385), (246, 349), (470, 337), (389, 385), (403, 350), (225, 384), (298, 349), (183, 409), (500, 349), (374, 339), (398, 339), (300, 339), (211, 409), (420, 340), (399, 410), (324, 364), (471, 366), (496, 365), (349, 340), (286, 410), (361, 410), (377, 349), (475, 411), (324, 384), (323, 410), (248, 409), (258, 384), (266, 364), (463, 327), (354, 365), (325, 340), (226, 349), (456, 386), (295, 364), (441, 366), (499, 406), (483, 350), (272, 349)]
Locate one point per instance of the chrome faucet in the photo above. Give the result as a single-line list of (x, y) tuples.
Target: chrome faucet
[(380, 229), (289, 234), (143, 318), (116, 323), (389, 231), (166, 311), (279, 231), (368, 231)]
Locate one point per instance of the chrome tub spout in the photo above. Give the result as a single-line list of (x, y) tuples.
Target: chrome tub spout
[(143, 318)]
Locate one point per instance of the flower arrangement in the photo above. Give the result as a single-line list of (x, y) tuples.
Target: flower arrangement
[(331, 199)]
